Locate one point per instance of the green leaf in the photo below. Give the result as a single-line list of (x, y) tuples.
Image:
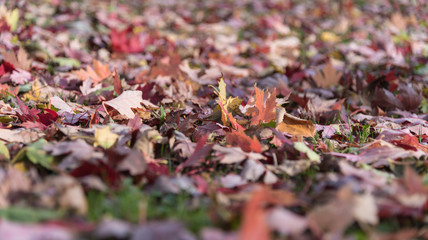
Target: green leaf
[(67, 62), (28, 215), (37, 155), (12, 19), (301, 147), (163, 114), (25, 88), (5, 119), (4, 151)]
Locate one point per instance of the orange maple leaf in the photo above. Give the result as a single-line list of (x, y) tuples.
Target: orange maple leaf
[(247, 144), (263, 112), (100, 73)]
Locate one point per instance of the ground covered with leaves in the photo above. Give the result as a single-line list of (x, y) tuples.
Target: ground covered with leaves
[(213, 120)]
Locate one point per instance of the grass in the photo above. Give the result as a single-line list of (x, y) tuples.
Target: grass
[(130, 204), (183, 207)]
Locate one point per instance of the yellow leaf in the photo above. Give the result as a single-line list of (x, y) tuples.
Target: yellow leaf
[(329, 37), (105, 138), (227, 106), (34, 94), (12, 19)]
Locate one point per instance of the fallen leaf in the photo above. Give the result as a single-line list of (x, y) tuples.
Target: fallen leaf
[(328, 76), (105, 138), (96, 74), (254, 221), (286, 222), (301, 147), (253, 170), (126, 102), (293, 125), (246, 143), (263, 111), (20, 77), (19, 60)]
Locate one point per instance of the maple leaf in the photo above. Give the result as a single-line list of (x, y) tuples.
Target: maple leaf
[(126, 41), (263, 111), (227, 115), (20, 77), (238, 138), (227, 106), (328, 76), (19, 60), (128, 100), (104, 137), (96, 74)]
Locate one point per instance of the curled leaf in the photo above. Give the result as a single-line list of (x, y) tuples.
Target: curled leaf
[(293, 125)]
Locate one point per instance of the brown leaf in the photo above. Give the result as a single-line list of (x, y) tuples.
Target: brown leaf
[(410, 98), (117, 84), (386, 99), (293, 125), (327, 77)]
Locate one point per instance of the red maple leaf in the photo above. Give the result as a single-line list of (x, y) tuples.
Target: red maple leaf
[(263, 112)]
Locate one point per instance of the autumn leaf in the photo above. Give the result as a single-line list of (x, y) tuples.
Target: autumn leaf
[(328, 76), (104, 137), (228, 116), (227, 106), (117, 83), (19, 60), (293, 125), (237, 138), (96, 74), (254, 223), (126, 102), (263, 111)]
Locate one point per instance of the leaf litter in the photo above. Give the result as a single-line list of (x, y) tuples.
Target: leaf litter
[(213, 120)]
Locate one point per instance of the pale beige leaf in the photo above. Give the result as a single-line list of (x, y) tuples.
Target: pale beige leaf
[(126, 102)]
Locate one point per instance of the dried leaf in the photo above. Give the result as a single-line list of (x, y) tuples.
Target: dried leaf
[(246, 143), (19, 60), (254, 225), (105, 138), (293, 125), (263, 111), (96, 74), (328, 76), (126, 102)]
